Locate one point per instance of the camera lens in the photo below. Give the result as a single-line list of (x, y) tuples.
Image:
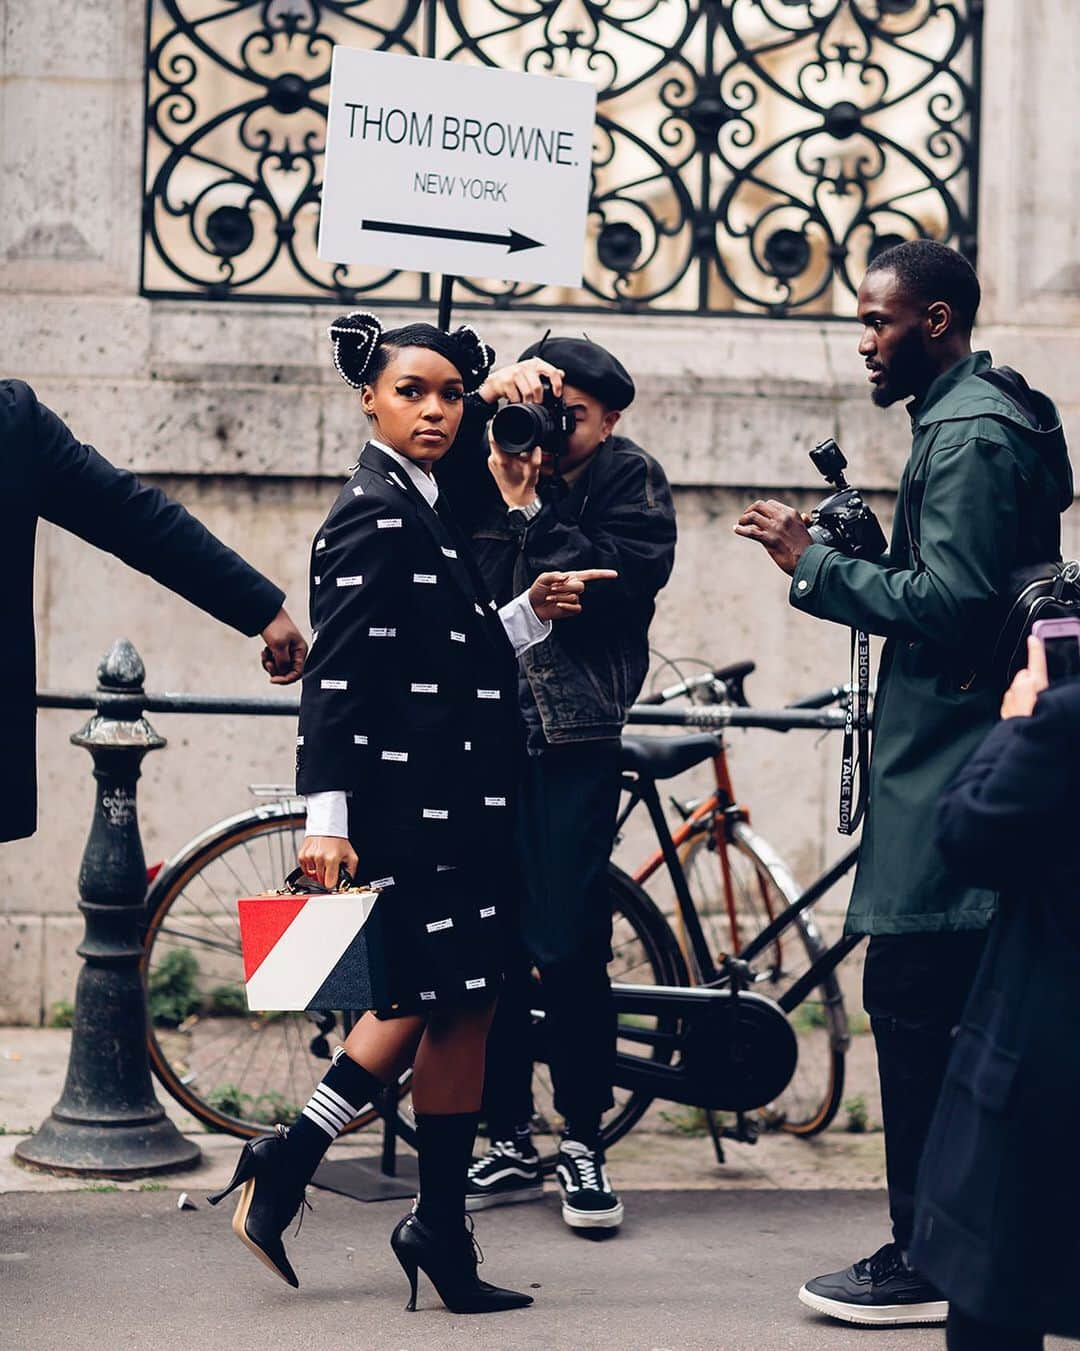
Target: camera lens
[(521, 426)]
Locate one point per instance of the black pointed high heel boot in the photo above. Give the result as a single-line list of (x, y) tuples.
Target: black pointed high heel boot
[(269, 1199), (449, 1262)]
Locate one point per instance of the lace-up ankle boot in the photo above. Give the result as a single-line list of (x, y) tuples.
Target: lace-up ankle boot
[(449, 1260), (270, 1196)]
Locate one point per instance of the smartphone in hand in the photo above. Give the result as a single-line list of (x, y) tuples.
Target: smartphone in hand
[(1061, 639)]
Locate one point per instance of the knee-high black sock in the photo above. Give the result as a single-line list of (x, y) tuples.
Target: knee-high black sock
[(343, 1091), (444, 1147)]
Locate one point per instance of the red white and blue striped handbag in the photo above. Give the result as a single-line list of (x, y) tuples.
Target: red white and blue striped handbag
[(310, 948)]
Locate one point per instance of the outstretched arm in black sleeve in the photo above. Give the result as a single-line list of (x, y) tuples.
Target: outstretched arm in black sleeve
[(78, 489)]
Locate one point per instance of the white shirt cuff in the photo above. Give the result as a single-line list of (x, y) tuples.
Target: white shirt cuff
[(328, 814), (523, 626)]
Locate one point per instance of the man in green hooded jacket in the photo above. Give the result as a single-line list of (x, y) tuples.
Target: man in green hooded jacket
[(981, 495)]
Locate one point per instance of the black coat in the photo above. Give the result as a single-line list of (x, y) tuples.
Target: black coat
[(409, 694), (48, 474), (997, 1224)]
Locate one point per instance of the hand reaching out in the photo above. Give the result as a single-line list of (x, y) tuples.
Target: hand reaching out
[(557, 595), (285, 652)]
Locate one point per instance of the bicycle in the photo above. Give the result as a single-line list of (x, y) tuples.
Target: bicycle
[(238, 1072)]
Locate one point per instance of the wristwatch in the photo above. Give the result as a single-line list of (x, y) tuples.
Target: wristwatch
[(523, 515)]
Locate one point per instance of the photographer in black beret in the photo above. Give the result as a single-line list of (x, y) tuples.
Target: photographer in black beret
[(583, 498)]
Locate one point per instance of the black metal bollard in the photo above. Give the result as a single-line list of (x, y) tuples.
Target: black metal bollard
[(108, 1122)]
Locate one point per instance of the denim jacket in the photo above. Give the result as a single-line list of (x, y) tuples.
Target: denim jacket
[(618, 514)]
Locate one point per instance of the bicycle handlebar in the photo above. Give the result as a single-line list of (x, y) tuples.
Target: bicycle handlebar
[(728, 715), (823, 698)]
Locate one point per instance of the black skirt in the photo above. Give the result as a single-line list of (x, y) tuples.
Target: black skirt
[(443, 934)]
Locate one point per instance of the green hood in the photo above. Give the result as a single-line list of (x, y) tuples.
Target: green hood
[(1024, 417)]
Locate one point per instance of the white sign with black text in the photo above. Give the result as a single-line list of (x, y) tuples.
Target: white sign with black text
[(437, 167)]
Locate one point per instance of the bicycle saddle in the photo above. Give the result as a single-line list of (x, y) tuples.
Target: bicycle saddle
[(663, 757)]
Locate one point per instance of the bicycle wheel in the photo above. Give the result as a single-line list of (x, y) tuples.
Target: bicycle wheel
[(644, 951), (233, 1070), (762, 887)]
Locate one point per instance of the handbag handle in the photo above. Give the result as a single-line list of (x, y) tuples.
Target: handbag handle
[(298, 881)]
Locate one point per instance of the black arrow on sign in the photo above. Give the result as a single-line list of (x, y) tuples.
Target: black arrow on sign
[(511, 241)]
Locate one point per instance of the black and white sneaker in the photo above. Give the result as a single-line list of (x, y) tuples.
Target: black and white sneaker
[(588, 1199), (505, 1174), (882, 1290)]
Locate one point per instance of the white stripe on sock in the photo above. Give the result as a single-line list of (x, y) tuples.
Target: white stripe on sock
[(330, 1109), (312, 1114), (338, 1100)]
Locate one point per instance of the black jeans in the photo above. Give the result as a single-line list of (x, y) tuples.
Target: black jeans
[(567, 804), (915, 987), (965, 1334)]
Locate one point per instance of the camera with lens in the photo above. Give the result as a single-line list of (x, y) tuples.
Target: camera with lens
[(843, 521), (519, 428)]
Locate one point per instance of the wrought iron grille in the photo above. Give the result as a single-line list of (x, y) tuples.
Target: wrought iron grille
[(750, 155)]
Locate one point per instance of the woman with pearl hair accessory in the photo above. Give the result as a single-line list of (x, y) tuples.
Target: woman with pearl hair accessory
[(407, 758)]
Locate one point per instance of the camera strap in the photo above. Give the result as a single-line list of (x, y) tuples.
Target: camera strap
[(857, 721)]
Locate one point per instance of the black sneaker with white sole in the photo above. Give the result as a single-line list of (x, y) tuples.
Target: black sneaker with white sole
[(505, 1174), (882, 1291), (588, 1199)]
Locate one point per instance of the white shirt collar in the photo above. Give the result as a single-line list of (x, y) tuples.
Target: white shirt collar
[(424, 483)]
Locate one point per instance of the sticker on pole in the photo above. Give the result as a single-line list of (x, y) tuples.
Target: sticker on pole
[(437, 167)]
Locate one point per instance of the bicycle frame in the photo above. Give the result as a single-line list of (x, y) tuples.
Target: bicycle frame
[(721, 808)]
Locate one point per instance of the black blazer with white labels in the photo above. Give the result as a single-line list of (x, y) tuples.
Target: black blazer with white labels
[(409, 694)]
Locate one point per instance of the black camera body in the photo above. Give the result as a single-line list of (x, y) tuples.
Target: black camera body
[(518, 428), (843, 521)]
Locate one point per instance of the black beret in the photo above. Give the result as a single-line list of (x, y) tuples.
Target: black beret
[(588, 366)]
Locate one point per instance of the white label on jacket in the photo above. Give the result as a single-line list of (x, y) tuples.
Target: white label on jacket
[(494, 802), (414, 688), (456, 637), (427, 994), (389, 523), (487, 912), (320, 544), (450, 553), (478, 984), (425, 578), (468, 745), (317, 580), (358, 491), (400, 756), (382, 633), (381, 883), (350, 581), (359, 739), (437, 925), (333, 684), (436, 814), (492, 605), (299, 740), (489, 694)]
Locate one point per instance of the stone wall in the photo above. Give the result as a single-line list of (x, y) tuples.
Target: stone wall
[(235, 410)]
